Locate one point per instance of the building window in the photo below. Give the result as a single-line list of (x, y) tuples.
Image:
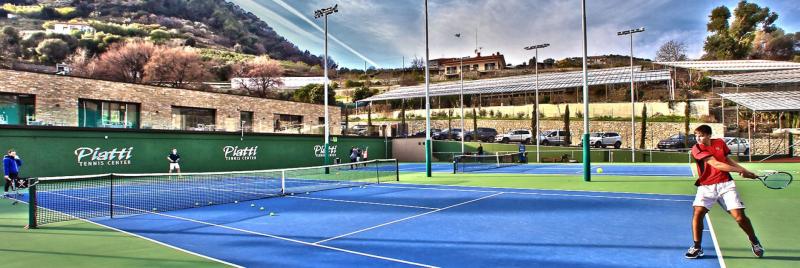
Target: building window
[(188, 118), (108, 114), (466, 68), (475, 67), (452, 70), (288, 123), (246, 121), (490, 66), (17, 109), (321, 121)]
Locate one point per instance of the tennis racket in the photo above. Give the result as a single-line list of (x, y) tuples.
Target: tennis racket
[(776, 180)]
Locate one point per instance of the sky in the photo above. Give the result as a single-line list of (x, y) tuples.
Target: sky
[(383, 32)]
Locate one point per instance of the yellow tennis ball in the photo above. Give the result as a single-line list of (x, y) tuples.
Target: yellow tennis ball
[(599, 170)]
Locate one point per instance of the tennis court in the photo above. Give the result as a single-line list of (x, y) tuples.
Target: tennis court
[(666, 170), (360, 220)]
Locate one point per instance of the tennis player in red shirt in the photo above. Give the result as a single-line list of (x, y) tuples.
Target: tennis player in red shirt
[(715, 185)]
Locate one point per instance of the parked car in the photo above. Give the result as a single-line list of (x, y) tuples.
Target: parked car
[(552, 137), (603, 139), (434, 132), (738, 145), (484, 134), (360, 130), (451, 133), (677, 141), (519, 135)]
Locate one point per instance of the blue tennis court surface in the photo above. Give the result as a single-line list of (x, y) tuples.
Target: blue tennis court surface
[(566, 169), (398, 225)]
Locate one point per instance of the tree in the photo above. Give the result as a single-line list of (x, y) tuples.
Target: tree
[(80, 63), (776, 45), (417, 64), (567, 135), (687, 112), (474, 124), (9, 36), (450, 124), (175, 67), (362, 93), (52, 50), (549, 62), (672, 50), (644, 127), (9, 43), (261, 76), (313, 93), (124, 62), (190, 42), (734, 41)]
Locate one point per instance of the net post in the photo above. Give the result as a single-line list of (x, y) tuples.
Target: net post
[(111, 197), (396, 170), (497, 156), (283, 182), (32, 204), (455, 164), (377, 170)]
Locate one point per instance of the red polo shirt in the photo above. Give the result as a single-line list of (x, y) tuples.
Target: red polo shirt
[(708, 174)]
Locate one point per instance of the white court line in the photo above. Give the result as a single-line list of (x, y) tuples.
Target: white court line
[(155, 241), (716, 244), (527, 193), (360, 202), (260, 234), (406, 218)]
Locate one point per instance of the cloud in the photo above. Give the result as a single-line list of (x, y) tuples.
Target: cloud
[(385, 31)]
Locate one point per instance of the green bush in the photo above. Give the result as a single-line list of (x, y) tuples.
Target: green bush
[(52, 50), (159, 35)]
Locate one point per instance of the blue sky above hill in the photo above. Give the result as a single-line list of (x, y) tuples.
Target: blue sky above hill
[(382, 32)]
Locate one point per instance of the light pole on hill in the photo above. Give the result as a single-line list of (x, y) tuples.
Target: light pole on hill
[(587, 165), (536, 48), (323, 13), (633, 105), (428, 145), (463, 130)]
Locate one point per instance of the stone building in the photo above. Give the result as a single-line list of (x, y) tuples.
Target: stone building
[(43, 99)]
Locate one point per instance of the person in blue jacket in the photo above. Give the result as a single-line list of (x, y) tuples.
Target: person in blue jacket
[(11, 164)]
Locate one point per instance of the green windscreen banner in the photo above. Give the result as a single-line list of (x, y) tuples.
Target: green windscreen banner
[(76, 151)]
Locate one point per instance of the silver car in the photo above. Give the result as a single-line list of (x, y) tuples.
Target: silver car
[(738, 146)]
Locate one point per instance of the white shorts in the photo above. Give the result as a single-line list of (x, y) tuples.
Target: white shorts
[(174, 166), (723, 193)]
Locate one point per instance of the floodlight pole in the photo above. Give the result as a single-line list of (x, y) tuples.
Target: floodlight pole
[(428, 145), (536, 68), (587, 176), (324, 14), (461, 97), (633, 101)]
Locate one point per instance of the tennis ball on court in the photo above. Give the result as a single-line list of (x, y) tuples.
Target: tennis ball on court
[(209, 202), (599, 170), (252, 205), (197, 204), (306, 192), (155, 209), (262, 208), (236, 201), (272, 214)]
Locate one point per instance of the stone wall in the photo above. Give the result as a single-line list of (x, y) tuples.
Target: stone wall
[(57, 102)]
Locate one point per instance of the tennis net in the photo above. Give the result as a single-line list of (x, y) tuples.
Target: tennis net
[(470, 163), (56, 199)]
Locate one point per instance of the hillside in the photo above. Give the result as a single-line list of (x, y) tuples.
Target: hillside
[(214, 24)]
